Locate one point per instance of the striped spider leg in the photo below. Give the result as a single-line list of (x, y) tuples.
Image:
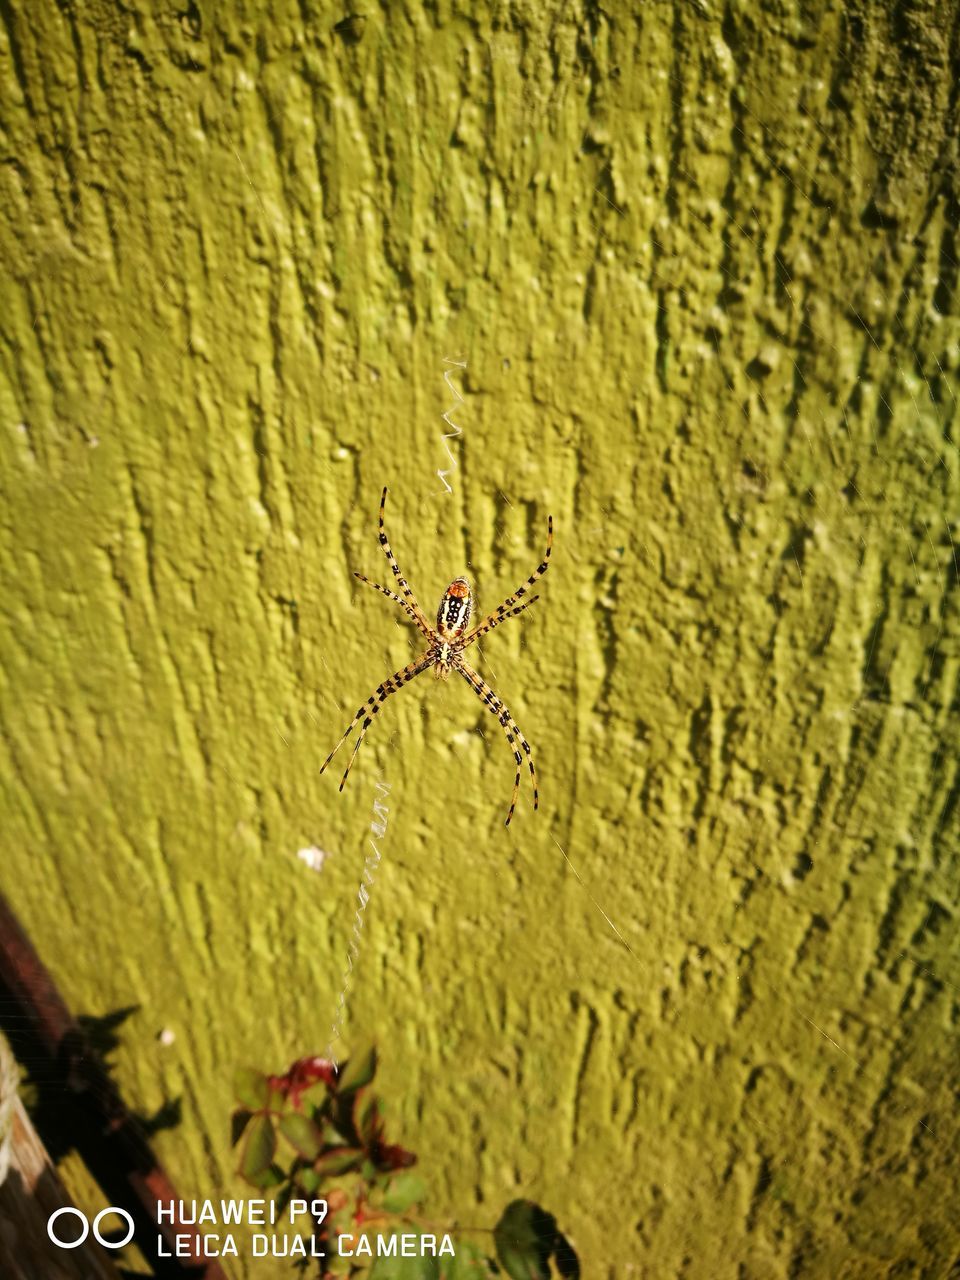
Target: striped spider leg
[(510, 728), (506, 610), (372, 706), (409, 602), (446, 643)]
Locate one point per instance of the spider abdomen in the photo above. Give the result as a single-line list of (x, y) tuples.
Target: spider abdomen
[(455, 608)]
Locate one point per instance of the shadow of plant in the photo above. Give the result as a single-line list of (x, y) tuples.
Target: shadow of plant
[(53, 1083)]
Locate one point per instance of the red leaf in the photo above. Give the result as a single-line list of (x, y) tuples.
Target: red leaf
[(390, 1157), (301, 1075)]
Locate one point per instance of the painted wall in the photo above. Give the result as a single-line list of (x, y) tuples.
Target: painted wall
[(701, 264)]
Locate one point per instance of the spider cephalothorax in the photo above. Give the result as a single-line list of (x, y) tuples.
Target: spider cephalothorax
[(446, 643)]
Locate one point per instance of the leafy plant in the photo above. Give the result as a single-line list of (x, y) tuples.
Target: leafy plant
[(317, 1133)]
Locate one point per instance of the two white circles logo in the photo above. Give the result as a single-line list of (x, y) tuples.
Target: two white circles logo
[(85, 1227)]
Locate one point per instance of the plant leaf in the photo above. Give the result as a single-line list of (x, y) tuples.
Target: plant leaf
[(334, 1136), (238, 1122), (340, 1265), (366, 1117), (308, 1180), (277, 1098), (470, 1263), (251, 1088), (302, 1134), (525, 1237), (360, 1070), (259, 1147), (337, 1160), (392, 1157), (417, 1268), (270, 1177), (404, 1190)]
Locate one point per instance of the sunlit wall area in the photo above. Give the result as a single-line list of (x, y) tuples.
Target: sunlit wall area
[(681, 276)]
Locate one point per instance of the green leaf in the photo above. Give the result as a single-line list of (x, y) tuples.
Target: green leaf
[(333, 1136), (238, 1122), (366, 1117), (360, 1070), (259, 1147), (405, 1189), (269, 1178), (277, 1099), (309, 1180), (315, 1100), (398, 1268), (470, 1263), (338, 1160), (251, 1088), (302, 1134), (339, 1265), (524, 1237)]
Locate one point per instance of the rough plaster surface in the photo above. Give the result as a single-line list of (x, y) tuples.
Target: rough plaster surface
[(701, 261)]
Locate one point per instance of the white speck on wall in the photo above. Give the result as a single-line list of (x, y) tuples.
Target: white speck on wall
[(313, 857)]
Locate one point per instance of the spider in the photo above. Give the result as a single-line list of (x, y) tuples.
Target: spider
[(445, 645)]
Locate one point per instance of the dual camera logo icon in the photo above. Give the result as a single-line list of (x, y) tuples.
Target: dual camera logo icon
[(85, 1227)]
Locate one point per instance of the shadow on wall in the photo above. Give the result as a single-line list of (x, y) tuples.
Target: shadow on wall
[(80, 1107)]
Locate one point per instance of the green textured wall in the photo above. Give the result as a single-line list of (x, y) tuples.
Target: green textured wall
[(701, 262)]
